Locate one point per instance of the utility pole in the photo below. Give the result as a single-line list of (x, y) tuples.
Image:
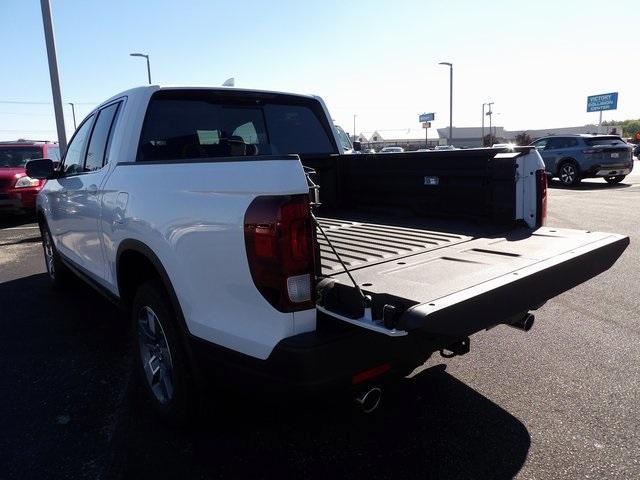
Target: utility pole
[(450, 65), (53, 74), (354, 127), (490, 113), (482, 137), (73, 111)]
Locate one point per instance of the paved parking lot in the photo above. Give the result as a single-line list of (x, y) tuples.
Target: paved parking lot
[(561, 401)]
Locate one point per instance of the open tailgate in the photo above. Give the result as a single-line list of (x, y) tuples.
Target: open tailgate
[(461, 287)]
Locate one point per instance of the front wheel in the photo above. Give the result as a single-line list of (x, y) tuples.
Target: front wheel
[(161, 363), (615, 179), (569, 174), (58, 272)]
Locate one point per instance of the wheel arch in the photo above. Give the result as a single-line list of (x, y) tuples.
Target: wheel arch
[(136, 263)]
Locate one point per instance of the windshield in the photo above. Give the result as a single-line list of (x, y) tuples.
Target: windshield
[(18, 156), (345, 141)]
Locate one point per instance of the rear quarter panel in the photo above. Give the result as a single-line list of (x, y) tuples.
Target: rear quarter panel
[(192, 216)]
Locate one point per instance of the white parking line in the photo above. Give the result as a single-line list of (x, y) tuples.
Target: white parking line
[(20, 228)]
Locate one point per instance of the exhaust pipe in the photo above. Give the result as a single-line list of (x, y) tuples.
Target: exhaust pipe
[(525, 323), (369, 399)]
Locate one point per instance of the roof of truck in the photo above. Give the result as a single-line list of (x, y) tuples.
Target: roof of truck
[(146, 88)]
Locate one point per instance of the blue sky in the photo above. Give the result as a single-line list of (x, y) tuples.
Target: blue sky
[(537, 61)]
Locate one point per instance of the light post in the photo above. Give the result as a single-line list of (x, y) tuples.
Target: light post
[(148, 66), (49, 39), (73, 111), (482, 137), (450, 65), (354, 127)]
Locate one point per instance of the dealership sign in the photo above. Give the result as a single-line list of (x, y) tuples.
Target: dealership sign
[(606, 101), (427, 117)]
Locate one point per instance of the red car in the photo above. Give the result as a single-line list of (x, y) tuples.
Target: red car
[(17, 191)]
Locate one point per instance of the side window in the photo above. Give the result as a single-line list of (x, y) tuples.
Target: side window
[(572, 142), (541, 144), (74, 159), (556, 143), (99, 138)]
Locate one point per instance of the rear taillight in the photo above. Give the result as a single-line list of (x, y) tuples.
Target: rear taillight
[(278, 238), (591, 151), (541, 196)]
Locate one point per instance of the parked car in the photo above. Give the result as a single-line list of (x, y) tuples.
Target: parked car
[(392, 150), (509, 146), (17, 190), (574, 157), (177, 205), (445, 147)]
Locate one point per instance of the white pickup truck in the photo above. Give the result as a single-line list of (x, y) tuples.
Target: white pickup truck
[(198, 210)]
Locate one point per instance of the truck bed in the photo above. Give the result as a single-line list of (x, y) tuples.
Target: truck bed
[(450, 283)]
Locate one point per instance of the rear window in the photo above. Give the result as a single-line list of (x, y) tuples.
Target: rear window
[(201, 124), (18, 156), (615, 141)]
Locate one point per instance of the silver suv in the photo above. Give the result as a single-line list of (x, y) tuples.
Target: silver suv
[(574, 157)]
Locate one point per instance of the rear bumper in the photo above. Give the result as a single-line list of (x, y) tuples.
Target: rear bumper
[(608, 170), (18, 199), (319, 361)]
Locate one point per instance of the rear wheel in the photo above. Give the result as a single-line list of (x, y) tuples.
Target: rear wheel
[(161, 362), (569, 174), (58, 272), (615, 179)]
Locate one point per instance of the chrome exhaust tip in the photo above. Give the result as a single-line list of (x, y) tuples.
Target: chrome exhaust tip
[(369, 400)]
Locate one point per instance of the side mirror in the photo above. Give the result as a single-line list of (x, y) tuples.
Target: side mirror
[(41, 169), (357, 146)]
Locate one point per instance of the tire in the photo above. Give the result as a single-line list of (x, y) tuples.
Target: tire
[(161, 364), (58, 273), (569, 173), (615, 179)]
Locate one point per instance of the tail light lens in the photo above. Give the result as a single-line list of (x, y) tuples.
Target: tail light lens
[(591, 151), (541, 192), (278, 238)]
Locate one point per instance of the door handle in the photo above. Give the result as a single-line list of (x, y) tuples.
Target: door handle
[(92, 189)]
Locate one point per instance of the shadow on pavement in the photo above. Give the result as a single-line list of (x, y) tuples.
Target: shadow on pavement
[(64, 374), (15, 220), (589, 185), (432, 426)]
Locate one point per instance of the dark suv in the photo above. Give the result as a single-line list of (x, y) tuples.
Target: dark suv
[(574, 157)]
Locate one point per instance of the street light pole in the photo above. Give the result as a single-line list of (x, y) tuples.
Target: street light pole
[(354, 127), (482, 137), (73, 111), (450, 65), (145, 56), (49, 39)]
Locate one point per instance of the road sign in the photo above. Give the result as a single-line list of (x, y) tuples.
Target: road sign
[(606, 101), (427, 117), (426, 124)]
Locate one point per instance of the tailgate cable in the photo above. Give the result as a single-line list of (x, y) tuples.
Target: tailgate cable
[(315, 202), (366, 299)]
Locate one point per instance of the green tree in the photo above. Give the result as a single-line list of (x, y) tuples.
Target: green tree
[(629, 127)]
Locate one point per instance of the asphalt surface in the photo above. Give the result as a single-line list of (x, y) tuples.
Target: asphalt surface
[(561, 401)]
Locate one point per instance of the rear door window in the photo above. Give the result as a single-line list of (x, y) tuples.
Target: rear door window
[(182, 125)]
